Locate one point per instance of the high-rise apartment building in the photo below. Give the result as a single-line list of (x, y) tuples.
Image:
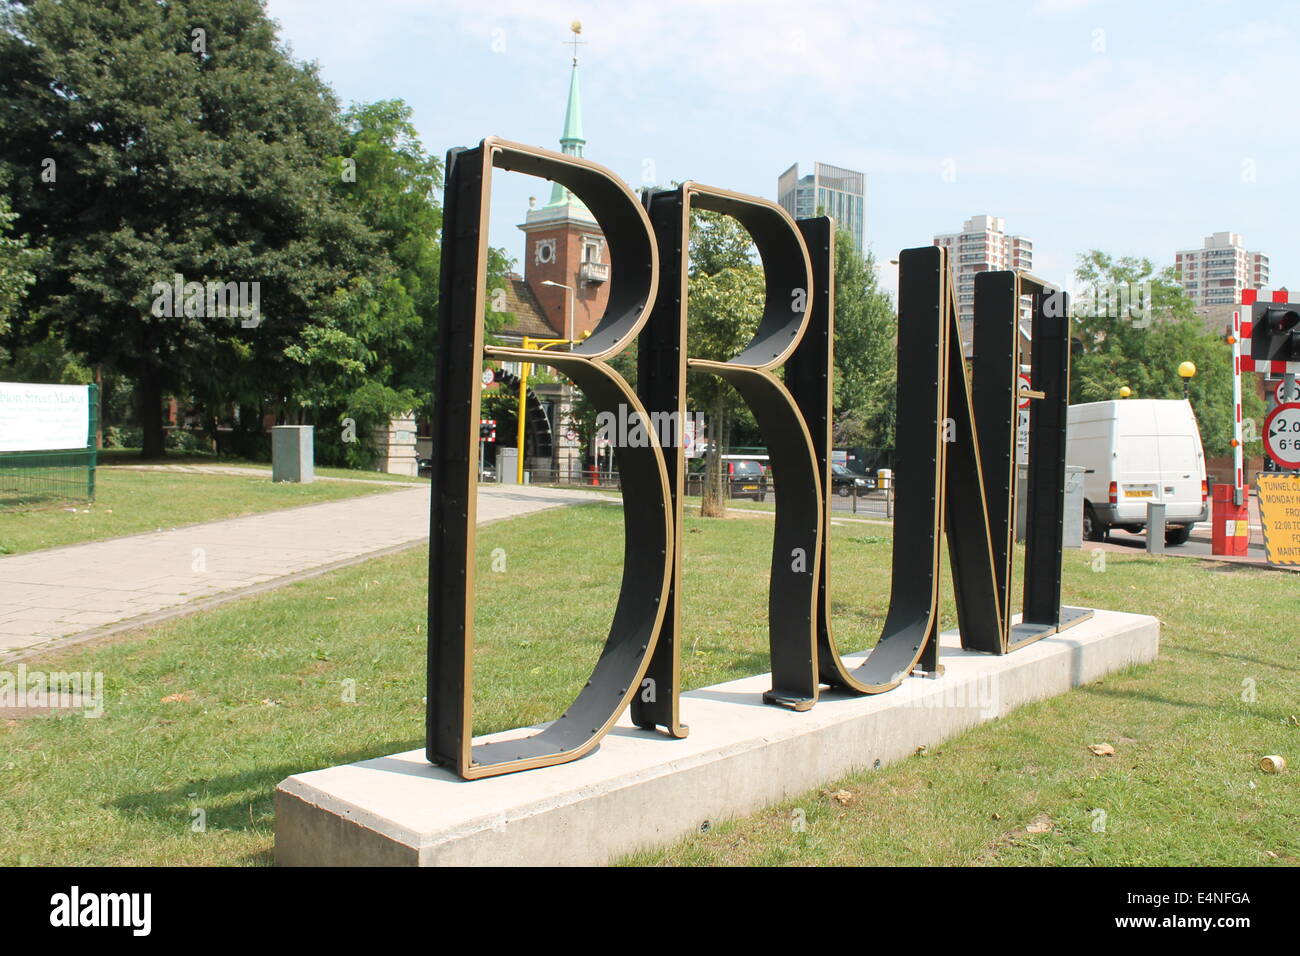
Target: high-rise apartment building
[(827, 191), (1216, 273), (982, 246)]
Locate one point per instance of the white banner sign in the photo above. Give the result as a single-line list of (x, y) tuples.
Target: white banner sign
[(43, 417)]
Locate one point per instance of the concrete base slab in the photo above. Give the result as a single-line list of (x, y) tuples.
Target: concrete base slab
[(641, 789)]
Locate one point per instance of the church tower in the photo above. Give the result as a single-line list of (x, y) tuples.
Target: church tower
[(566, 264)]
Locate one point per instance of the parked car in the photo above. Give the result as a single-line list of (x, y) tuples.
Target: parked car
[(844, 482), (1137, 451), (746, 478)]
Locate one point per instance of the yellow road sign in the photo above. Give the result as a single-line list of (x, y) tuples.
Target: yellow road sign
[(1279, 512)]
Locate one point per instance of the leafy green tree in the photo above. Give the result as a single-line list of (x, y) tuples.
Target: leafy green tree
[(380, 365), (147, 140), (725, 305), (1143, 344), (582, 414), (42, 360), (866, 326), (16, 263)]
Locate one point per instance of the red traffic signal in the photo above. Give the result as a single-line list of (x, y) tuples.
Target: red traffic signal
[(1275, 332)]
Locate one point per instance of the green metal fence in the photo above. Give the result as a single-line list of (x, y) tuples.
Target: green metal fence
[(33, 478)]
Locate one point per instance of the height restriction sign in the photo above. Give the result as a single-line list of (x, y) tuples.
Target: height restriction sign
[(1023, 389), (1282, 435)]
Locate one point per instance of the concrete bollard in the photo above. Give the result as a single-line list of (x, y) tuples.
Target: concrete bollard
[(1155, 527)]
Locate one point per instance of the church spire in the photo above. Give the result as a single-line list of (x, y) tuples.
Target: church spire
[(571, 140)]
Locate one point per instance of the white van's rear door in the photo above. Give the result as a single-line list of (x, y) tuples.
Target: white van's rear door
[(1180, 467), (1138, 475)]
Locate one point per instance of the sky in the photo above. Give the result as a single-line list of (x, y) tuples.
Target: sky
[(1138, 128)]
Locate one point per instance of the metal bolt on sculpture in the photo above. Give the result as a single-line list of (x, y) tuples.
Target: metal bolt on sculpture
[(966, 486)]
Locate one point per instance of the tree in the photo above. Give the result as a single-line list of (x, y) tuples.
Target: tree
[(150, 140), (44, 360), (1142, 345), (866, 326), (16, 263), (380, 364), (583, 416), (725, 304)]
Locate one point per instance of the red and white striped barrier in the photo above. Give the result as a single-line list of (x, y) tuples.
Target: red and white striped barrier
[(1238, 464), (1248, 298)]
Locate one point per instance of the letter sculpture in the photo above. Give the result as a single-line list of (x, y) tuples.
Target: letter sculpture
[(964, 485)]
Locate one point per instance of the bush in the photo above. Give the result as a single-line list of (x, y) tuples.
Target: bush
[(123, 436), (253, 444), (339, 447), (185, 440)]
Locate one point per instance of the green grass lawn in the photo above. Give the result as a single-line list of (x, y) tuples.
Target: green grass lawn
[(208, 713), (128, 502)]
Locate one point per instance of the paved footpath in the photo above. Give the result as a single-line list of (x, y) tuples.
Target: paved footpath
[(61, 595)]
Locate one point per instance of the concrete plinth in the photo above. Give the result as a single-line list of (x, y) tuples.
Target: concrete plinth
[(293, 456), (396, 445), (642, 789)]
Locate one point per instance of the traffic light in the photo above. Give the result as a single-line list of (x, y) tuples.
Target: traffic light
[(1275, 332), (487, 429)]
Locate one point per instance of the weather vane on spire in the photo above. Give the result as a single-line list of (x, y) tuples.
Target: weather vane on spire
[(576, 27)]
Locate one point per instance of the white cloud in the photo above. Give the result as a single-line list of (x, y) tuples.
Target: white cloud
[(836, 50), (1054, 7)]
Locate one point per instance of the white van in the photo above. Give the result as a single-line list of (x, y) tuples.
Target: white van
[(1137, 451)]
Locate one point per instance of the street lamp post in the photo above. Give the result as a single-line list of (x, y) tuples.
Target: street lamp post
[(1185, 371), (569, 297)]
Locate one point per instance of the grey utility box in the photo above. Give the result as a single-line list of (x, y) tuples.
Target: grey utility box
[(508, 466), (292, 454), (1072, 526)]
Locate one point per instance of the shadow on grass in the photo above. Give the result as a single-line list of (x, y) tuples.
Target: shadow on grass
[(242, 801)]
